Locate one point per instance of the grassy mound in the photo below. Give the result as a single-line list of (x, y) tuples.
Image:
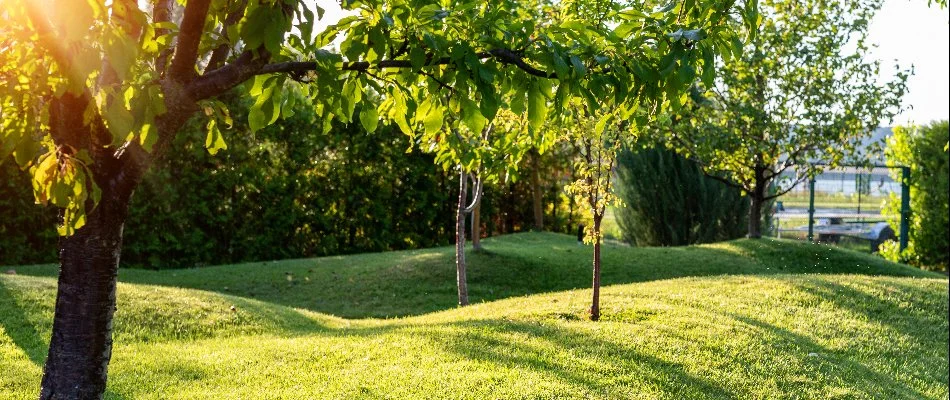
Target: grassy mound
[(404, 283), (765, 330)]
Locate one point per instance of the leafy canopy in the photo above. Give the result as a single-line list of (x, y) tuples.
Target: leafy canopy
[(800, 95), (138, 69)]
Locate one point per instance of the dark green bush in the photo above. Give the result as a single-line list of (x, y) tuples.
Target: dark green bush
[(667, 201), (286, 191), (27, 233)]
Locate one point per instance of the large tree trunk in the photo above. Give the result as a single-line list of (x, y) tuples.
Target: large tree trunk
[(755, 217), (756, 200), (595, 302), (81, 344), (536, 192), (460, 242)]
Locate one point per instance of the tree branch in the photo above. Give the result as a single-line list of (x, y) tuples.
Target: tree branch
[(504, 56), (797, 181), (220, 53), (223, 79), (723, 180), (246, 67), (161, 12), (189, 37)]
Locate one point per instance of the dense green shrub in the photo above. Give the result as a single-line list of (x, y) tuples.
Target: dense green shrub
[(27, 234), (288, 191), (924, 150), (285, 191), (667, 201)]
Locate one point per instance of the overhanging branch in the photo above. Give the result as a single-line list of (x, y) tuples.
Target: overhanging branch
[(220, 53), (505, 56), (247, 66), (189, 37)]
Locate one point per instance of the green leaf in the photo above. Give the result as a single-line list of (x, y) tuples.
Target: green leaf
[(26, 149), (578, 66), (214, 141), (264, 26), (434, 119), (369, 117), (148, 136), (400, 111), (257, 117), (118, 119), (306, 24), (537, 106), (686, 74), (417, 57), (472, 117)]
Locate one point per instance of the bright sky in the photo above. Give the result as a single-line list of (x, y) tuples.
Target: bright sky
[(912, 33), (905, 30)]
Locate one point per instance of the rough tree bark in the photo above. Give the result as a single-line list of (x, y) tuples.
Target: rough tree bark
[(756, 199), (81, 343)]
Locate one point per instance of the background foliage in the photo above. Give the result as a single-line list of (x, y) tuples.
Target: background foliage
[(285, 191), (668, 201), (924, 150)]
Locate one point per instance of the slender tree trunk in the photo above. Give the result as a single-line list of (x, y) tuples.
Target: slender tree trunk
[(477, 228), (595, 303), (460, 242), (536, 193)]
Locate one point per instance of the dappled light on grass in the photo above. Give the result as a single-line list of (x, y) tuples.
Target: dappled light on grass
[(714, 321), (718, 337)]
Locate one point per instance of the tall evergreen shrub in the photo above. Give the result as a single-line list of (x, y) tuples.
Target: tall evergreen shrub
[(667, 201)]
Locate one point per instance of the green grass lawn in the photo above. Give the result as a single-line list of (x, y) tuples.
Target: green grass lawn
[(743, 319)]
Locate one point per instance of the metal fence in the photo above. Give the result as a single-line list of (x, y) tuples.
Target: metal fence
[(846, 204)]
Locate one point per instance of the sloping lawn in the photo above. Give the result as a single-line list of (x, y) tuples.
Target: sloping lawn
[(744, 319)]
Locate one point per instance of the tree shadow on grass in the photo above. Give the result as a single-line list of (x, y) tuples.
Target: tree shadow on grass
[(19, 328), (908, 309), (24, 334), (589, 365), (833, 365), (609, 365)]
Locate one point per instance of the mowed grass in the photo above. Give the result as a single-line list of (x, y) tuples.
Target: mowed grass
[(744, 319)]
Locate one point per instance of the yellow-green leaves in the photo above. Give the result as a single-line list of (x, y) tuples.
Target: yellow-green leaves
[(399, 110), (369, 117), (472, 116), (215, 140), (266, 108), (65, 182), (537, 103), (217, 113), (431, 115)]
